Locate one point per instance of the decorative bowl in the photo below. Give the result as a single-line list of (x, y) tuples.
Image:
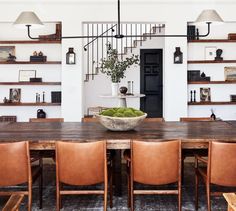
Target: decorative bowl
[(120, 123)]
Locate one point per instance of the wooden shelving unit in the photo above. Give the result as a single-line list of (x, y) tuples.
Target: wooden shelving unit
[(30, 104), (212, 82), (210, 40), (31, 83), (30, 41), (28, 62), (210, 61), (211, 103)]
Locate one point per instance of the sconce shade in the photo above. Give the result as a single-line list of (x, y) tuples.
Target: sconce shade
[(28, 18), (209, 16)]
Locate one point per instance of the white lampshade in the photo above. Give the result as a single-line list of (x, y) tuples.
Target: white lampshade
[(28, 18), (207, 16)]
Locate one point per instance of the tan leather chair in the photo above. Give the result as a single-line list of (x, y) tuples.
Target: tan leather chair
[(154, 120), (13, 202), (81, 164), (155, 163), (89, 119), (220, 170), (15, 163)]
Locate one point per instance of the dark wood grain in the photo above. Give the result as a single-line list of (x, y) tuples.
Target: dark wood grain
[(212, 103), (30, 42), (211, 40), (30, 104), (30, 83), (210, 61), (42, 136), (211, 82), (28, 62)]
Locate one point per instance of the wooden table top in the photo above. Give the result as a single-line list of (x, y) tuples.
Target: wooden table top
[(192, 134)]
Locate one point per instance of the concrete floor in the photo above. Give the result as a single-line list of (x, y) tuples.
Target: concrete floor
[(142, 203)]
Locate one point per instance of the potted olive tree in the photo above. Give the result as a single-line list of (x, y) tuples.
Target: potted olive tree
[(115, 68)]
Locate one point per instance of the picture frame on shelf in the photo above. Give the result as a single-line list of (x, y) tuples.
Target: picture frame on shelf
[(25, 75), (205, 94), (210, 53), (15, 95), (230, 73), (5, 52)]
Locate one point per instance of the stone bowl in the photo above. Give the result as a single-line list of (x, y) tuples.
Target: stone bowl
[(120, 123)]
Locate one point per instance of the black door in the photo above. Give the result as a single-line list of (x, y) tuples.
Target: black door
[(151, 82)]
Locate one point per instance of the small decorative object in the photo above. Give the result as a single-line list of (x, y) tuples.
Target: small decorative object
[(233, 98), (218, 55), (70, 56), (210, 53), (194, 75), (43, 97), (232, 36), (38, 57), (41, 114), (121, 119), (5, 51), (5, 100), (230, 73), (205, 94), (115, 68), (178, 56), (213, 116), (191, 96), (36, 79), (203, 75), (194, 96), (130, 90), (123, 90), (15, 95), (25, 75), (191, 32), (56, 97), (197, 34), (11, 58)]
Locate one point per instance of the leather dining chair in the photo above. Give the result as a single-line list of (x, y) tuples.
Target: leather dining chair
[(81, 164), (155, 163), (15, 163), (46, 119), (220, 169)]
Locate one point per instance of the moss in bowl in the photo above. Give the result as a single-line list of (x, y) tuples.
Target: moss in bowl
[(121, 119)]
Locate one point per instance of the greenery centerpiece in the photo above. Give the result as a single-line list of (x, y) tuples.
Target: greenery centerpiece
[(115, 68)]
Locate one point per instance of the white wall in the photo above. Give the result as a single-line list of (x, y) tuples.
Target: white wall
[(175, 13)]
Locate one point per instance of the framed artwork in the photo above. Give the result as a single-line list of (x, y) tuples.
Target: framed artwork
[(205, 94), (210, 53), (15, 95), (230, 73), (5, 51), (25, 75)]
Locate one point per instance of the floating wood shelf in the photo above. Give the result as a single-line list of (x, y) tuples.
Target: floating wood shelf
[(210, 61), (30, 104), (212, 82), (28, 62), (30, 83), (30, 42), (211, 103), (211, 40)]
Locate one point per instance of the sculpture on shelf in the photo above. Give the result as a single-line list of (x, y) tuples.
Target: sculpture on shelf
[(191, 96), (213, 116), (218, 54), (11, 58), (194, 96)]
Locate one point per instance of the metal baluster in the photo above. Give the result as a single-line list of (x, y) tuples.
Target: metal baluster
[(107, 37), (87, 76), (150, 30), (112, 39), (141, 38), (121, 43), (117, 39), (131, 40), (126, 28), (102, 44), (92, 53), (97, 49)]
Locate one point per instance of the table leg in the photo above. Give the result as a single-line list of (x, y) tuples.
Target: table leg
[(122, 102), (117, 173)]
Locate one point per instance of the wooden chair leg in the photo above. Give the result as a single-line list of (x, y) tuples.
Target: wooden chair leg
[(196, 190), (41, 184), (105, 198), (182, 169), (131, 194), (208, 196), (179, 198), (128, 184), (111, 187), (58, 200), (30, 201)]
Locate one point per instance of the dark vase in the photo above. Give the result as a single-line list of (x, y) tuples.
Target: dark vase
[(123, 90), (70, 56), (41, 113), (178, 56)]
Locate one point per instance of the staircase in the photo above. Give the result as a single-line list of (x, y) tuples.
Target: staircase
[(95, 49)]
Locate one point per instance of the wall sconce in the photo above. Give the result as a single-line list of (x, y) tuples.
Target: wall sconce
[(70, 56), (178, 56)]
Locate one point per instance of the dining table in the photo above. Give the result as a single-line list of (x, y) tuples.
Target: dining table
[(43, 136)]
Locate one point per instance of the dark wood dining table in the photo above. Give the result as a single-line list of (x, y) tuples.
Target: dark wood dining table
[(193, 135)]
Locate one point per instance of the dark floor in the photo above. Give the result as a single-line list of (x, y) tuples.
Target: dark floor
[(142, 203)]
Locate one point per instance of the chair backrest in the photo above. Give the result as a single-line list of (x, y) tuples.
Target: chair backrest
[(81, 163), (222, 163), (14, 163), (154, 120), (156, 163), (46, 119), (195, 119), (89, 119)]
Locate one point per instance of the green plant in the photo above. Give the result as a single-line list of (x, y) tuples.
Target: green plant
[(115, 68)]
